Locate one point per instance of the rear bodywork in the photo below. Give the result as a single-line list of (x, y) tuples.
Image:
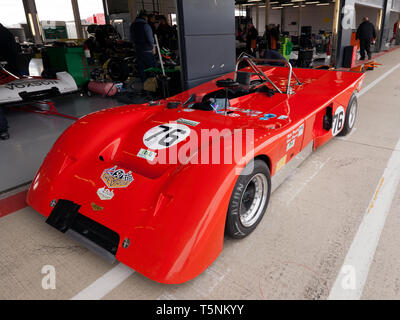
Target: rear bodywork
[(15, 89), (167, 221)]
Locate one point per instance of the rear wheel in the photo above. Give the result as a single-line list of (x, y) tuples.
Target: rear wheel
[(351, 115), (249, 200)]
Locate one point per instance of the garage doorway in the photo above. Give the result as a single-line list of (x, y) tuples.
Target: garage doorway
[(374, 16)]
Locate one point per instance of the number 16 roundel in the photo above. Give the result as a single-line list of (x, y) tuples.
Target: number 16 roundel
[(165, 135)]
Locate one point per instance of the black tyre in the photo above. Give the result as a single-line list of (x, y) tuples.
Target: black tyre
[(118, 69), (351, 115), (249, 200)]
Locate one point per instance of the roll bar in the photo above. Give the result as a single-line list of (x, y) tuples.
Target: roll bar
[(251, 61)]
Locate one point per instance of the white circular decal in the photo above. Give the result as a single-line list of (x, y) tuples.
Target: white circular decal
[(165, 135), (338, 121)]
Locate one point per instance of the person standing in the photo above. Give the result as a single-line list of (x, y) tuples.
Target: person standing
[(396, 31), (8, 53), (4, 135), (251, 38), (152, 22), (143, 39), (164, 33), (365, 33), (8, 50)]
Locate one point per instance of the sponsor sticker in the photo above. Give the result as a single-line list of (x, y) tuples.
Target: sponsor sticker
[(96, 207), (188, 110), (268, 116), (290, 145), (105, 194), (188, 122), (234, 115), (301, 130), (283, 117), (30, 83), (281, 163), (116, 178), (147, 154)]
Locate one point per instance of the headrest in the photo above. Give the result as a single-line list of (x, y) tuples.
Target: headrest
[(243, 78)]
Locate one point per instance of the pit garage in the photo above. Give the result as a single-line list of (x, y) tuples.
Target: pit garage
[(199, 150)]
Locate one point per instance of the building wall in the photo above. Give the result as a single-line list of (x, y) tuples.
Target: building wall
[(121, 6), (318, 17), (396, 5), (274, 17), (364, 11)]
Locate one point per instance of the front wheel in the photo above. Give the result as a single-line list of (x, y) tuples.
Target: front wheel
[(249, 200), (351, 115)]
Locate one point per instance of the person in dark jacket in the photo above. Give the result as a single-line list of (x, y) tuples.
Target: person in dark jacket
[(251, 38), (152, 22), (274, 55), (164, 33), (365, 33), (8, 53), (4, 135), (8, 50), (143, 39)]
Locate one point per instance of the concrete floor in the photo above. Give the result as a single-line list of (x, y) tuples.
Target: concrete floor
[(296, 252)]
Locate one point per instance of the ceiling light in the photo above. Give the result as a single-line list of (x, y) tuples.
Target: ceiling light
[(277, 8), (286, 4), (312, 2), (322, 4)]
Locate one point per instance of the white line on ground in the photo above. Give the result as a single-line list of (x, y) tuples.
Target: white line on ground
[(350, 282), (105, 284), (376, 81)]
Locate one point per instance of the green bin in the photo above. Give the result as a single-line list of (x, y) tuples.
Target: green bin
[(72, 60)]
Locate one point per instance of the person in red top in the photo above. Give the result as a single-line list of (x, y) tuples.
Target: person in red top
[(396, 28)]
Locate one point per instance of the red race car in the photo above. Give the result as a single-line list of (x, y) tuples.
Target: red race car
[(157, 186)]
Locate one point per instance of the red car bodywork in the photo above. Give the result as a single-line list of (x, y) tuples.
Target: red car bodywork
[(174, 214)]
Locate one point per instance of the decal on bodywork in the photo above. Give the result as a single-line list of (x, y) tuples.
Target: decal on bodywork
[(188, 122), (165, 135), (338, 120), (283, 117), (291, 137), (147, 154), (268, 116), (23, 85), (116, 178), (281, 163), (105, 194), (96, 207)]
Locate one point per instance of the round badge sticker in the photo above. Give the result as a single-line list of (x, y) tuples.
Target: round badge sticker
[(338, 121), (165, 136)]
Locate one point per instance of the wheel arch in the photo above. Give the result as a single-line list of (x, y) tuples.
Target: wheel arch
[(264, 158)]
